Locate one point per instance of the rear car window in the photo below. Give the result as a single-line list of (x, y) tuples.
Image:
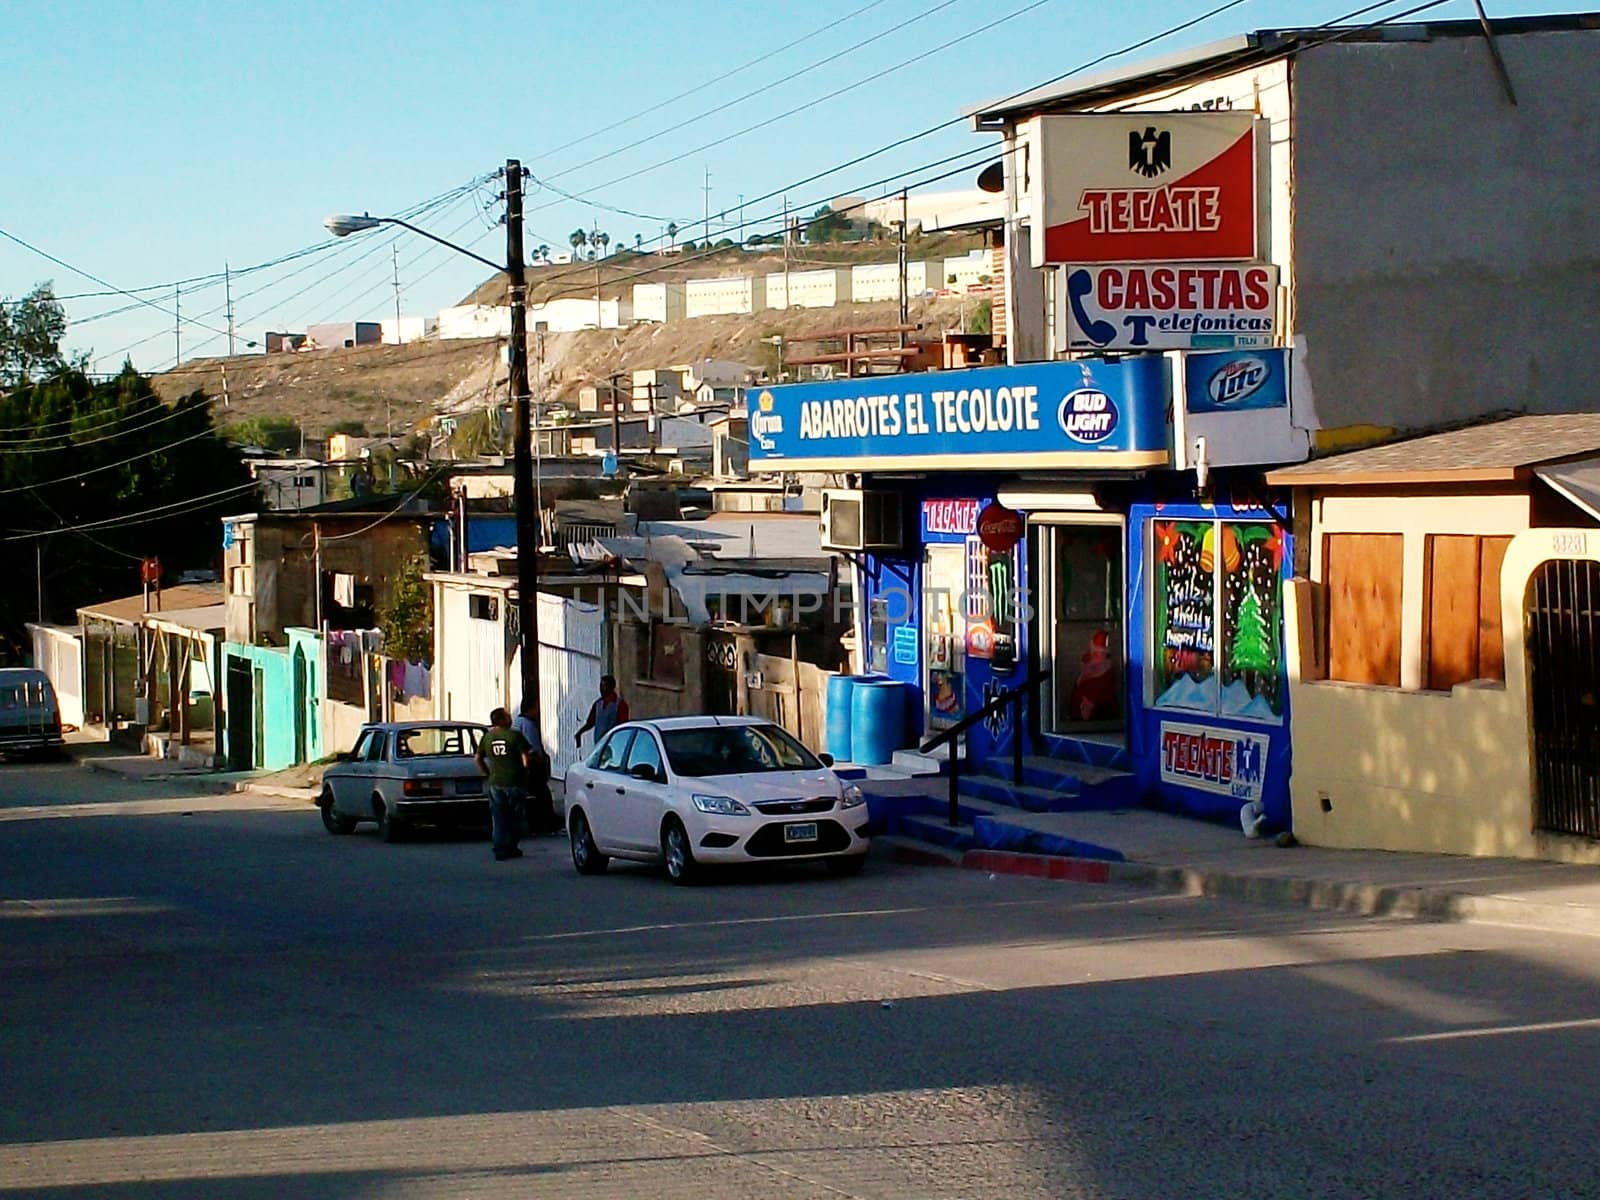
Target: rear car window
[(450, 741)]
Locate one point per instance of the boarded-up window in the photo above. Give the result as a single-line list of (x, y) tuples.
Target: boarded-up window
[(1363, 572), (1463, 613)]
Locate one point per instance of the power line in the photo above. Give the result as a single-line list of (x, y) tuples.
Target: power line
[(138, 518), (193, 437), (700, 87), (799, 108), (793, 75)]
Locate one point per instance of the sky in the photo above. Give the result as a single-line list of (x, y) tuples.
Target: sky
[(154, 142)]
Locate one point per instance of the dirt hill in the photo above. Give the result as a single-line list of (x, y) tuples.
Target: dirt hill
[(403, 387)]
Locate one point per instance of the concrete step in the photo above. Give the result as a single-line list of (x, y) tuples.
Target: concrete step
[(914, 762), (934, 831)]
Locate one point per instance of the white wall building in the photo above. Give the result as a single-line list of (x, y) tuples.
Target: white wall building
[(408, 329), (726, 295), (968, 270), (475, 321), (569, 314), (937, 210), (659, 302), (873, 283), (808, 289)]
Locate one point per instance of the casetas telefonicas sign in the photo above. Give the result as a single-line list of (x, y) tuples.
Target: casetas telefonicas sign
[(1169, 306)]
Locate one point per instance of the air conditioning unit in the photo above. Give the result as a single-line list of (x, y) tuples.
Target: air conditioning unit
[(857, 520)]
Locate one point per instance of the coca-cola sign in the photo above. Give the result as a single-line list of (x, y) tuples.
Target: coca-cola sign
[(999, 528)]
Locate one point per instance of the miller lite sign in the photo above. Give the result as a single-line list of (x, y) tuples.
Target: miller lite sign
[(1142, 187)]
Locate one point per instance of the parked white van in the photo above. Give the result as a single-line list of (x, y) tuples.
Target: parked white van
[(30, 718)]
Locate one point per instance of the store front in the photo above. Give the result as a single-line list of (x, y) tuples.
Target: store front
[(1067, 548)]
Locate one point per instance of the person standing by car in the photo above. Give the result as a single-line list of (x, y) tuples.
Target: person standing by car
[(540, 806), (605, 714), (503, 757)]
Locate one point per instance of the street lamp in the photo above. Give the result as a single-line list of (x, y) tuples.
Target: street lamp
[(528, 533)]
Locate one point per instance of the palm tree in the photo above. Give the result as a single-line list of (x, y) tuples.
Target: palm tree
[(601, 241), (542, 254), (672, 233), (577, 239), (638, 243)]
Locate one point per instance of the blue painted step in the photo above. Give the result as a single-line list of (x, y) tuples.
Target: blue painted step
[(935, 831), (997, 833), (1050, 785)]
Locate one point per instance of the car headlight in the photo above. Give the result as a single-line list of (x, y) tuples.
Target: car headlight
[(723, 806), (852, 797)]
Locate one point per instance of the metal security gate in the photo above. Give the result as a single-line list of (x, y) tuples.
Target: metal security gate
[(1564, 650)]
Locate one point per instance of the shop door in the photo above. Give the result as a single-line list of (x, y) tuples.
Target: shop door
[(1078, 627), (944, 632), (721, 683), (240, 714), (1564, 652)]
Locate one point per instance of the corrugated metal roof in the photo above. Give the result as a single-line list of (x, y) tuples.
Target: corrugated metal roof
[(1483, 453)]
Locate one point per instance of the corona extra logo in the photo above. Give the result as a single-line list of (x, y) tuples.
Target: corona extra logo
[(764, 402)]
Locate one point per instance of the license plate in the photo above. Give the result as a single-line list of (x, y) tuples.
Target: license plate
[(469, 787), (800, 833)]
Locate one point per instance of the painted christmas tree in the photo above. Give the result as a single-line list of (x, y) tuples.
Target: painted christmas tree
[(1252, 648)]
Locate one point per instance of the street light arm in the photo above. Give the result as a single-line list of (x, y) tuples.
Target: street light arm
[(434, 237), (345, 225)]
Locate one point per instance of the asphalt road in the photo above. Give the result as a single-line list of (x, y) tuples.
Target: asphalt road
[(210, 996)]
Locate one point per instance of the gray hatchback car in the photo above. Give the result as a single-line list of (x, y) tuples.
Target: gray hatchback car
[(407, 773)]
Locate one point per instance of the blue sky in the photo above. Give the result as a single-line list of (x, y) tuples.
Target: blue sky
[(155, 141)]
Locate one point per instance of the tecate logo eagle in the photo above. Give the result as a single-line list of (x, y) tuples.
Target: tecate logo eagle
[(1233, 381)]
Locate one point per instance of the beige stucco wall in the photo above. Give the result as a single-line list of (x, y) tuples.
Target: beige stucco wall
[(1404, 769)]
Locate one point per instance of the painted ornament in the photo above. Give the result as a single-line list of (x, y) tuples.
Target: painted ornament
[(1230, 549)]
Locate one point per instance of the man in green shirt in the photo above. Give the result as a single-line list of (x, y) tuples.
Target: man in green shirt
[(503, 757)]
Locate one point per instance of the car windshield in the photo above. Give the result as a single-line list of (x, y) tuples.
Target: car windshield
[(436, 742), (734, 750)]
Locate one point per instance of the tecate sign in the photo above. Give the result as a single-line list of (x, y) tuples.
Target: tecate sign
[(1174, 306), (1142, 187)]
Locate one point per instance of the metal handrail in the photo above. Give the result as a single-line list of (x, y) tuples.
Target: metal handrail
[(1012, 697)]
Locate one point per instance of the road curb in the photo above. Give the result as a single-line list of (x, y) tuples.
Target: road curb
[(1284, 891), (309, 795)]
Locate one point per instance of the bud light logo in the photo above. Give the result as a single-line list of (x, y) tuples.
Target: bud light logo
[(1087, 415), (1236, 380)]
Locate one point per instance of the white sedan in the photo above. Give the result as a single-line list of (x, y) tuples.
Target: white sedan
[(692, 791)]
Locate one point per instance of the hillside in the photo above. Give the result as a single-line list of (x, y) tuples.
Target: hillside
[(403, 387), (619, 272)]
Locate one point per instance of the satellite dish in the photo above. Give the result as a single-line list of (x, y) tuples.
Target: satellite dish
[(993, 178)]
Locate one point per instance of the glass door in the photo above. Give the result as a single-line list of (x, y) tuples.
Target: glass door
[(1078, 627), (944, 626)]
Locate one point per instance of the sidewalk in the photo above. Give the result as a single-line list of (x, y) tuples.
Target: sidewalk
[(1148, 849), (296, 783)]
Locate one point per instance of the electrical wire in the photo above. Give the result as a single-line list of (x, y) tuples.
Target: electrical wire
[(193, 437), (712, 82), (137, 518), (762, 90)]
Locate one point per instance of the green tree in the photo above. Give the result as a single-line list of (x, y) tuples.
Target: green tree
[(982, 318), (280, 434), (406, 617), (827, 226), (349, 428), (30, 336), (1252, 648), (102, 452)]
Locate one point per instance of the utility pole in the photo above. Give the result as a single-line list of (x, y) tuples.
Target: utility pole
[(616, 421), (399, 337), (227, 292), (904, 300), (741, 218), (599, 307), (177, 325), (528, 532), (707, 190), (785, 255)]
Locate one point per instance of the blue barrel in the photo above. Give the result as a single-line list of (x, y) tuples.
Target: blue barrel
[(877, 721), (838, 733)]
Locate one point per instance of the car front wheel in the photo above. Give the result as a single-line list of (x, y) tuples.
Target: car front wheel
[(586, 856), (677, 854), (332, 821)]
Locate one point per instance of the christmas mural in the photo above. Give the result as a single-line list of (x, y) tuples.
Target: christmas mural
[(1217, 617)]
